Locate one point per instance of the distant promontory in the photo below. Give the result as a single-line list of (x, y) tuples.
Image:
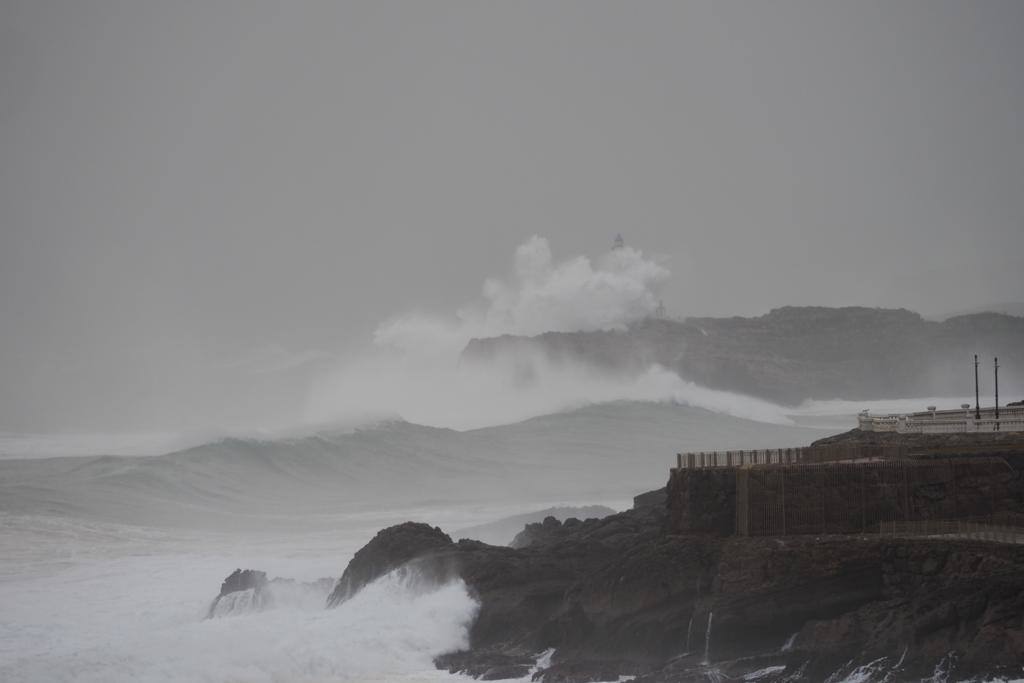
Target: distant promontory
[(796, 353)]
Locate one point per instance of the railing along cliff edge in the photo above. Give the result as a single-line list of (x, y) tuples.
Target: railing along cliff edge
[(966, 419), (788, 456)]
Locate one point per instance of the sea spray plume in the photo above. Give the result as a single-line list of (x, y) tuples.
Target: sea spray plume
[(573, 294), (542, 296), (414, 369), (392, 630), (508, 389)]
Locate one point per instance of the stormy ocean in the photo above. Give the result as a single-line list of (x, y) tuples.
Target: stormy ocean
[(109, 563), (113, 546)]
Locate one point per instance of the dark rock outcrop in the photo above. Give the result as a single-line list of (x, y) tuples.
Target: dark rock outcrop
[(243, 579), (389, 549), (248, 585), (619, 596), (490, 666), (541, 532), (503, 531), (248, 590)]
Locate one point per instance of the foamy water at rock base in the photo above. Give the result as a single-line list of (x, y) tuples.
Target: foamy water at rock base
[(119, 603)]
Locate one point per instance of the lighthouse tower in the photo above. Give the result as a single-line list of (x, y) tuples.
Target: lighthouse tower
[(619, 243)]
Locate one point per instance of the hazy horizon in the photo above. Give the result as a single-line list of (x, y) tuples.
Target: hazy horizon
[(198, 200)]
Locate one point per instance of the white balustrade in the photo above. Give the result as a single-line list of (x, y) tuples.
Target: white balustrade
[(1011, 419)]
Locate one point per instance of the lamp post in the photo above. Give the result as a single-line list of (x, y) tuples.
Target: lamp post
[(977, 404), (997, 393)]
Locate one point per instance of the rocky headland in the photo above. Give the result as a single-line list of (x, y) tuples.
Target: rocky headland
[(793, 353), (504, 531), (670, 590), (619, 596)]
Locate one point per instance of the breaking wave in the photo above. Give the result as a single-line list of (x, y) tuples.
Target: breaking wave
[(391, 629), (414, 368), (598, 452)]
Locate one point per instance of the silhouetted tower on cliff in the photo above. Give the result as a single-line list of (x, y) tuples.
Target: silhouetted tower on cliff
[(977, 402), (996, 362)]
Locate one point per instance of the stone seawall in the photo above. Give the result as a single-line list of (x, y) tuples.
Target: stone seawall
[(841, 498), (702, 501)]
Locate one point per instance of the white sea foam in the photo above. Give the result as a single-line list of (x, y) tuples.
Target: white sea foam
[(506, 390), (132, 619)]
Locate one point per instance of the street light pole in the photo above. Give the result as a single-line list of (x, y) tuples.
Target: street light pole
[(977, 404), (997, 393)]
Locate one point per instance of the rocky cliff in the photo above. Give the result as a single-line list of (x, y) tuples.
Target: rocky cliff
[(795, 353), (620, 596)]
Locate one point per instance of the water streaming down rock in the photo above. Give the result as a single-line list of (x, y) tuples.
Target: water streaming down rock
[(543, 662), (943, 670), (689, 632), (707, 640), (249, 591)]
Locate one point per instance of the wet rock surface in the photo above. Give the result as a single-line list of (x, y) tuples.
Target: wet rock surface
[(621, 597), (487, 666), (242, 590), (389, 549), (243, 579), (249, 590)]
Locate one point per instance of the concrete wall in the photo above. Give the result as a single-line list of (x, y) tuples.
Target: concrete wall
[(840, 498)]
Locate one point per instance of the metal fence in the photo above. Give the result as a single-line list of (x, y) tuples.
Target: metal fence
[(789, 456)]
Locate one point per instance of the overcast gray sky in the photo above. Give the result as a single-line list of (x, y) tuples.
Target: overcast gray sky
[(187, 186)]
